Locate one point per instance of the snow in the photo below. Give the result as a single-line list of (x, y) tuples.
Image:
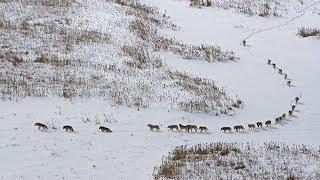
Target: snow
[(131, 151)]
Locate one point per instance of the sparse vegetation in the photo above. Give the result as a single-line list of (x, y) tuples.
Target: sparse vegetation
[(261, 8), (199, 3), (207, 96), (202, 52), (240, 161), (57, 64), (307, 32)]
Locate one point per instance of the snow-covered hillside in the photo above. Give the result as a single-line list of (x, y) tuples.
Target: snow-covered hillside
[(125, 64)]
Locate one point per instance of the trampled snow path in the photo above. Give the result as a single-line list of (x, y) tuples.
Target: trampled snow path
[(132, 151), (247, 66), (286, 22)]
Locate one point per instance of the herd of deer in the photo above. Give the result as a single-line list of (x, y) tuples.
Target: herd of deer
[(280, 71), (194, 128), (267, 123), (185, 128), (68, 128), (277, 119), (258, 125), (191, 128)]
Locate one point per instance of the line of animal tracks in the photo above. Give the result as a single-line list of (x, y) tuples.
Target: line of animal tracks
[(285, 23), (264, 60)]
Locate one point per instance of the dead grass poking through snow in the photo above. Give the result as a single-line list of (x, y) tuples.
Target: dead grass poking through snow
[(240, 161), (43, 53), (307, 32)]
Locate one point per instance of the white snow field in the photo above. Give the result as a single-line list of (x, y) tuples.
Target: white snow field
[(131, 151)]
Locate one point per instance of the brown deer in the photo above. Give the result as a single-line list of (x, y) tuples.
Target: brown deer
[(41, 126), (173, 127), (268, 123), (269, 62), (68, 128), (284, 116), (224, 129), (203, 129), (182, 127), (152, 127), (192, 127), (104, 129), (278, 120), (259, 125), (244, 43), (251, 126), (238, 128)]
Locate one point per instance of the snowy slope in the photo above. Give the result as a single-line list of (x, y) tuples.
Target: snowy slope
[(131, 151)]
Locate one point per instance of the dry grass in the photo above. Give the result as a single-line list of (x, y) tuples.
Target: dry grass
[(250, 7), (207, 96), (307, 32), (51, 66), (141, 29), (203, 52), (240, 161)]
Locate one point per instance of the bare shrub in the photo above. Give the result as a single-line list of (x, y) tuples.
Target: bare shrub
[(307, 32), (265, 10)]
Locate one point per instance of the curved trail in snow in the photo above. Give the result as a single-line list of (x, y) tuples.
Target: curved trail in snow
[(285, 23), (278, 26)]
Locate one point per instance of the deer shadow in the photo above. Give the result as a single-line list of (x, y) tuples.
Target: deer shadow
[(156, 131), (229, 132), (294, 116), (243, 132)]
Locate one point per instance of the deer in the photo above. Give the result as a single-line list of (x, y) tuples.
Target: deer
[(203, 129), (289, 83), (269, 62), (251, 126), (224, 129), (152, 127), (268, 123), (104, 129), (259, 124), (172, 127), (68, 128), (238, 128), (41, 126)]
